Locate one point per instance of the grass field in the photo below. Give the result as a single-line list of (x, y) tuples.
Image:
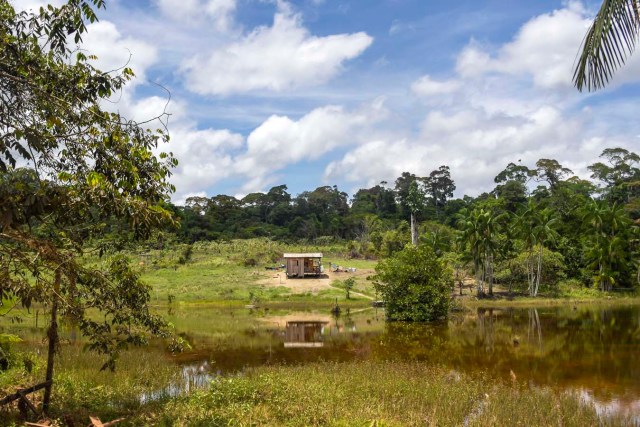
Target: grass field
[(219, 272)]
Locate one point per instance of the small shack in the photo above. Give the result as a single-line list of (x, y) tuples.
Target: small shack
[(300, 265)]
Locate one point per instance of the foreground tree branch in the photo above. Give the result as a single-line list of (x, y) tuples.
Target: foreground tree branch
[(610, 40), (89, 169)]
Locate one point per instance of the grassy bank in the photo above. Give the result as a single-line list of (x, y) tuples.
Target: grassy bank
[(562, 296), (371, 393)]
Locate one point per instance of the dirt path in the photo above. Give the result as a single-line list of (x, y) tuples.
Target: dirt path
[(314, 284)]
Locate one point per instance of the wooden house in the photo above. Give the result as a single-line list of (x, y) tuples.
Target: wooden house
[(300, 265)]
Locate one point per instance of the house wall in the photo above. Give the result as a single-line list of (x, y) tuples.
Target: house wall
[(297, 267)]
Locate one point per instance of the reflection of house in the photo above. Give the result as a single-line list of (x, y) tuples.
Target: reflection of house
[(304, 334), (300, 265)]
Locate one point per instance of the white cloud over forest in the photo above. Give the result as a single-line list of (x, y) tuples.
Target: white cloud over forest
[(273, 58)]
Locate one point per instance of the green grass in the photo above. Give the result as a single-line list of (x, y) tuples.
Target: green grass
[(218, 272), (565, 293), (82, 389), (371, 393)]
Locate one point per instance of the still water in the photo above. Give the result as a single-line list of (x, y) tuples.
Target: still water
[(594, 350)]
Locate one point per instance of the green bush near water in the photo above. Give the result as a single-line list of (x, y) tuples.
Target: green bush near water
[(414, 284)]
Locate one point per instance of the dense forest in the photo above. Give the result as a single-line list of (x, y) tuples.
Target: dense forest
[(539, 224)]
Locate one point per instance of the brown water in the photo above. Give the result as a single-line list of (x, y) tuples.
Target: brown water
[(594, 350)]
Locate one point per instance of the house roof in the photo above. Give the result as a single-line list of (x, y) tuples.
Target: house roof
[(307, 255)]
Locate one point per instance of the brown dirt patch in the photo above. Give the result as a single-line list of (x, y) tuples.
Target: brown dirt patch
[(311, 284)]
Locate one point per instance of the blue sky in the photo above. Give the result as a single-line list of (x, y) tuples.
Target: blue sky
[(323, 92)]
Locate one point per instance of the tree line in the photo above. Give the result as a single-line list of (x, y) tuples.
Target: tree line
[(539, 223)]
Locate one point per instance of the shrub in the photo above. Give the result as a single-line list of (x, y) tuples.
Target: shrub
[(414, 284), (7, 356), (186, 254)]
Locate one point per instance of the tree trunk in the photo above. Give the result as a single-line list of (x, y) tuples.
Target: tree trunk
[(490, 273), (531, 271), (476, 263), (510, 280), (52, 335), (414, 230), (539, 271)]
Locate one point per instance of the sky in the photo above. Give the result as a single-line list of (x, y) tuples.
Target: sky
[(354, 92)]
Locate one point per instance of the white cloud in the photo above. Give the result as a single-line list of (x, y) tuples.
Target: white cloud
[(280, 141), (474, 144), (545, 48), (276, 58), (115, 51), (34, 5), (204, 157), (426, 86), (219, 13)]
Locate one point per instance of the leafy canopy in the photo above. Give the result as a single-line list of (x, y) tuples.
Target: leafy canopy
[(67, 167)]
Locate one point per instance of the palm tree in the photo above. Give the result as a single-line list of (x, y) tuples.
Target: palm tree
[(544, 231), (415, 202), (610, 39), (606, 248), (470, 236), (479, 231), (524, 228), (489, 223), (535, 226)]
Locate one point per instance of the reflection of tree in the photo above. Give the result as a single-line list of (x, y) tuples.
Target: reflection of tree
[(412, 341), (485, 328), (587, 348), (535, 329), (349, 324)]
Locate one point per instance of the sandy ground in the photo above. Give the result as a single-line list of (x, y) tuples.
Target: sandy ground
[(313, 284)]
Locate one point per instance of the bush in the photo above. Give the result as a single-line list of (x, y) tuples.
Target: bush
[(7, 357), (414, 284)]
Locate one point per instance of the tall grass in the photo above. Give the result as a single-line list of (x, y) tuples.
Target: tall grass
[(372, 393)]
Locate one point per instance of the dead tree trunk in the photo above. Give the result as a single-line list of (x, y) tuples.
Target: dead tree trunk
[(490, 273), (414, 230)]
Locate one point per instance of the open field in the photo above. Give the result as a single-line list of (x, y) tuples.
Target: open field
[(216, 273)]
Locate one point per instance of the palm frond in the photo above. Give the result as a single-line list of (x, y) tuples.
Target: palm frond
[(610, 39)]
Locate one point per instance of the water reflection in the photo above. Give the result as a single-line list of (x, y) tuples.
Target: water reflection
[(591, 349), (304, 334), (192, 377)]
